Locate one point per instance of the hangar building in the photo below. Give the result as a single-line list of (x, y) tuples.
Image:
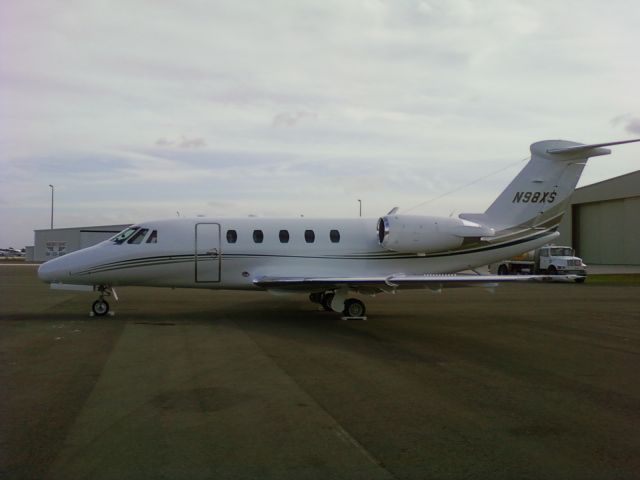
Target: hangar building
[(602, 221), (51, 243)]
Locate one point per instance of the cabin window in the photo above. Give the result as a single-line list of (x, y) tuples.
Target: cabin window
[(232, 236), (153, 238), (309, 236), (258, 236), (137, 237), (284, 236), (334, 235)]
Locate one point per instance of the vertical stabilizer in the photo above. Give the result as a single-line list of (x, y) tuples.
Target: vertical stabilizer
[(538, 195)]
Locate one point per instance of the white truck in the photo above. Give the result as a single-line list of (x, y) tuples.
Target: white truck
[(550, 259)]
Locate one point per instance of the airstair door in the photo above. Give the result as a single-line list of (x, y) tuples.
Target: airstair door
[(207, 255)]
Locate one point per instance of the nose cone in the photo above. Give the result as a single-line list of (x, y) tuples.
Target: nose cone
[(51, 271), (71, 268)]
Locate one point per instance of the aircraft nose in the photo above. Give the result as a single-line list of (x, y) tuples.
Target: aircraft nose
[(50, 271)]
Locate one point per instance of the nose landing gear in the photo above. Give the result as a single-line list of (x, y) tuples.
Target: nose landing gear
[(101, 307)]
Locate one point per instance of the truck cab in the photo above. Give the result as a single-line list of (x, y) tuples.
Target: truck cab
[(554, 260), (550, 259)]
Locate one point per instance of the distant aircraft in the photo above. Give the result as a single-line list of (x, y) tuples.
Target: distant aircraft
[(330, 258)]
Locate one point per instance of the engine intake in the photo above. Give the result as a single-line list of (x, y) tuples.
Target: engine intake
[(422, 234)]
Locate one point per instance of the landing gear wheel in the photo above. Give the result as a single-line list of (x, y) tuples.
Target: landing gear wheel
[(326, 301), (502, 270), (552, 270), (100, 307), (354, 308)]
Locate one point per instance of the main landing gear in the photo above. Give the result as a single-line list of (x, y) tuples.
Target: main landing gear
[(101, 307), (351, 308)]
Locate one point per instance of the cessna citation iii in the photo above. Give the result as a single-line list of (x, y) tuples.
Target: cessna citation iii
[(330, 258)]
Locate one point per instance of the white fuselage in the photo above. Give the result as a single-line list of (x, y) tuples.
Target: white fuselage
[(197, 253)]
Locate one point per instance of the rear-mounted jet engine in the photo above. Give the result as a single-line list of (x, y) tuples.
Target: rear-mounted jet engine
[(421, 234)]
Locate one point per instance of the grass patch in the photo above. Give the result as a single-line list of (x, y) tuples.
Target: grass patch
[(615, 279)]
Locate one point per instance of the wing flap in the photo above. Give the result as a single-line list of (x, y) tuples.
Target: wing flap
[(393, 282)]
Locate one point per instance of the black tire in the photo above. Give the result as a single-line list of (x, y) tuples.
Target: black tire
[(503, 270), (552, 270), (100, 307), (354, 308), (581, 279), (326, 301)]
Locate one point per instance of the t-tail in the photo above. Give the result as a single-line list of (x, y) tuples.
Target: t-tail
[(538, 196)]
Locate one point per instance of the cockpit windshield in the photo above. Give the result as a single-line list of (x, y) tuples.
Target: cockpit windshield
[(135, 235), (138, 236), (124, 235)]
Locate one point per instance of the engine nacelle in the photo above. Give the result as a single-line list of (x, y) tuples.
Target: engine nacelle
[(420, 234)]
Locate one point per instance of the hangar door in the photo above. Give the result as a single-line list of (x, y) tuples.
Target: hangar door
[(608, 233)]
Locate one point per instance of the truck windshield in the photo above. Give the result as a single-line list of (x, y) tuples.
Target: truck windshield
[(562, 252)]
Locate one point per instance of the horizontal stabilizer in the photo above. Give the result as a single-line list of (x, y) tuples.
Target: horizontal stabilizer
[(582, 149)]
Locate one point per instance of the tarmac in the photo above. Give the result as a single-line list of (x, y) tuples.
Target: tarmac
[(531, 381)]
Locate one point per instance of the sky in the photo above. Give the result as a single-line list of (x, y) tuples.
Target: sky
[(144, 109)]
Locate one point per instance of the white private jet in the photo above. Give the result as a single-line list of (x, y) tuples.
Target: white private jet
[(329, 258)]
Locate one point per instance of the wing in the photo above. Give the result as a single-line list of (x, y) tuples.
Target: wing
[(393, 282)]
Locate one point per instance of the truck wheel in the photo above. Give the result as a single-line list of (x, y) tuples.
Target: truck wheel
[(580, 280), (502, 270), (552, 270)]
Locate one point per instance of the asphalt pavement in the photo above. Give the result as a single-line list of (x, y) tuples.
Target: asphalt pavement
[(530, 381)]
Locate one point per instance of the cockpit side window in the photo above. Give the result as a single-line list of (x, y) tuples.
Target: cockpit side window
[(153, 238), (124, 235), (137, 237)]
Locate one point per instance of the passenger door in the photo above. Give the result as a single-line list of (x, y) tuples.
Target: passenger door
[(207, 254)]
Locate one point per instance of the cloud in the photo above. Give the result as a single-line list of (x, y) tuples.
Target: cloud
[(631, 124), (163, 142), (183, 142), (634, 126), (299, 107), (291, 119), (192, 143)]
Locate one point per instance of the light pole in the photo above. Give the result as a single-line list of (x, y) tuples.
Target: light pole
[(360, 202), (52, 189)]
